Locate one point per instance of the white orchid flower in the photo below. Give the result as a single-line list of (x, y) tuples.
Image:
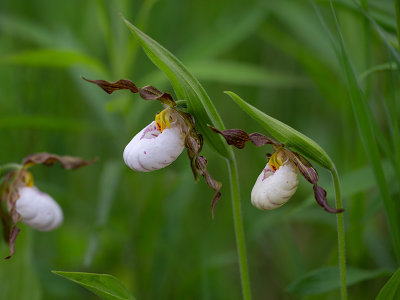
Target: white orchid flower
[(274, 188), (157, 145), (38, 209), (163, 140)]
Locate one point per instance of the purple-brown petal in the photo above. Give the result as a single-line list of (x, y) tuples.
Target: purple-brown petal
[(13, 236), (49, 159), (110, 87), (320, 196)]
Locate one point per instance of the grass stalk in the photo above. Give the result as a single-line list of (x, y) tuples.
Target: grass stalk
[(397, 10), (341, 236), (363, 118), (239, 231), (9, 167)]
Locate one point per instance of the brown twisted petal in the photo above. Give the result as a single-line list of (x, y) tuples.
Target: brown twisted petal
[(320, 196), (198, 163), (13, 236), (49, 159), (147, 92), (239, 138)]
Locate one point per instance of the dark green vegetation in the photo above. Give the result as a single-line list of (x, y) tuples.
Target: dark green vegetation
[(154, 231)]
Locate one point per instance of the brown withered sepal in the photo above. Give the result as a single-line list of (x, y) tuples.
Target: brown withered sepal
[(147, 92), (239, 138), (49, 159)]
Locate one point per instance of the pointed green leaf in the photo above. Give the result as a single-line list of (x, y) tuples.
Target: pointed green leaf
[(186, 87), (286, 134), (390, 290), (327, 279), (105, 286)]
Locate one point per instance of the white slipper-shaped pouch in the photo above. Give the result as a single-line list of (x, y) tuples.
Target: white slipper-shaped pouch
[(152, 149), (38, 209), (274, 188)]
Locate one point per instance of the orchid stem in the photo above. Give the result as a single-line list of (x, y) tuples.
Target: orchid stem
[(341, 236), (239, 231), (4, 169)]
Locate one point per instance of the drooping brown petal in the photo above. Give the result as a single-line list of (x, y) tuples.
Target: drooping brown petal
[(147, 92), (259, 140), (13, 236), (198, 163), (234, 137), (239, 138), (49, 159), (320, 196), (311, 175), (110, 87), (305, 168), (201, 164)]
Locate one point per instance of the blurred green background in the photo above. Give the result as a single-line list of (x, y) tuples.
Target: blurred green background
[(154, 231)]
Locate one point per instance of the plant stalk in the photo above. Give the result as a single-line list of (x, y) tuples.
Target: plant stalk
[(341, 236), (239, 231), (397, 10), (4, 169)]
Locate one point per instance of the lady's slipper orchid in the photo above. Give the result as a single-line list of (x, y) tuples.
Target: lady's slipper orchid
[(275, 185), (158, 144), (21, 201), (38, 209), (278, 181), (163, 140)]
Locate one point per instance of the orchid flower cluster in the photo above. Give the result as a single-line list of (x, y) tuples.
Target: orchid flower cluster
[(21, 200), (163, 140), (278, 181)]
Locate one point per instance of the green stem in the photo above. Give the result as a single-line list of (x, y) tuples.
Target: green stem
[(239, 231), (341, 236), (4, 169), (397, 9)]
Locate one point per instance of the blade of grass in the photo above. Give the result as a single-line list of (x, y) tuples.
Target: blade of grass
[(391, 288), (325, 279), (397, 10), (378, 68), (363, 119)]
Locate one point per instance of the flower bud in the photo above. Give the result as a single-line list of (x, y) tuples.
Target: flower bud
[(153, 148), (38, 210), (275, 185)]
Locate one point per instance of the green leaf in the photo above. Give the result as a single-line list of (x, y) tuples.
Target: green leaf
[(364, 117), (105, 286), (286, 134), (60, 58), (391, 289), (186, 87), (389, 66), (327, 279)]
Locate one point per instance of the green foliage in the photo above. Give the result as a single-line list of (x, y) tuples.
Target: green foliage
[(327, 279), (144, 227), (390, 291), (105, 286)]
